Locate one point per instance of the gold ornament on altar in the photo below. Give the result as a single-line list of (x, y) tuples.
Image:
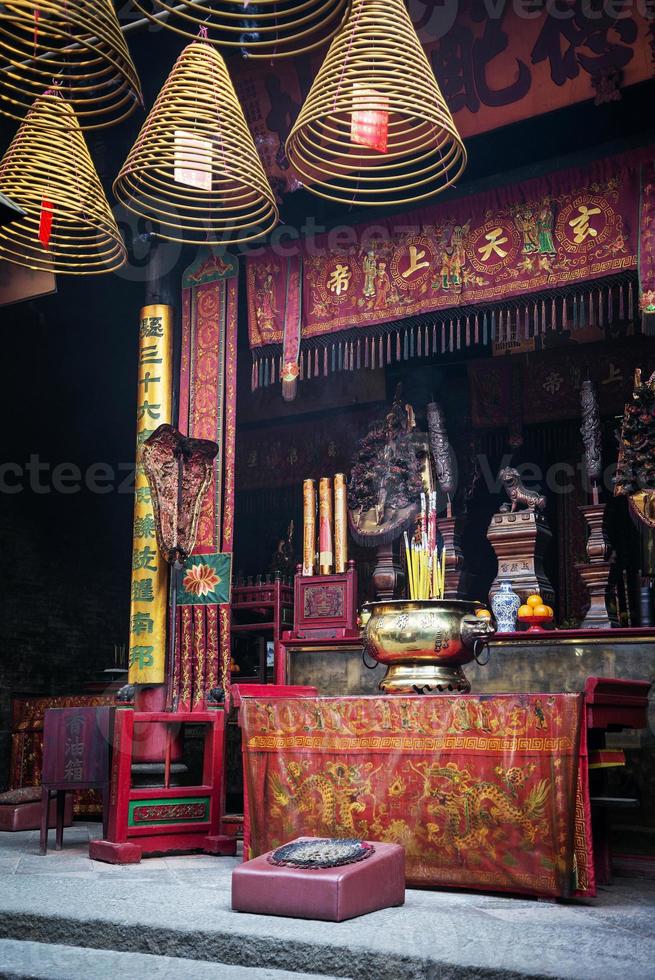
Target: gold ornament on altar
[(77, 45), (47, 171), (267, 29), (375, 128), (194, 169)]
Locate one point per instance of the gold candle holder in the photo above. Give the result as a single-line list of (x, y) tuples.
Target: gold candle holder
[(309, 527), (340, 524), (325, 521)]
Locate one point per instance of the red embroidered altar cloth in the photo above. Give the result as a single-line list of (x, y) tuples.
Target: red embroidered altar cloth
[(480, 790)]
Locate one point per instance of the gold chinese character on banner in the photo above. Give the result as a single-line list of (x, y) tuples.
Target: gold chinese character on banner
[(493, 246), (339, 279), (581, 224), (416, 261)]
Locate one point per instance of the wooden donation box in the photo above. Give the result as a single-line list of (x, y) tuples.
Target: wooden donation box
[(325, 606), (76, 753)]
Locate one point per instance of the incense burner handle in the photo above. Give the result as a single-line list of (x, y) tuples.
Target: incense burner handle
[(475, 634)]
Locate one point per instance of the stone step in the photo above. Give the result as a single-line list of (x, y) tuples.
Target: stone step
[(45, 961)]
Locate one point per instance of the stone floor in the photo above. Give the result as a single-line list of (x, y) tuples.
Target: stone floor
[(64, 916)]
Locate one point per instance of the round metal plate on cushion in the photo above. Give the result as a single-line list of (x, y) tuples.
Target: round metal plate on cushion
[(321, 852)]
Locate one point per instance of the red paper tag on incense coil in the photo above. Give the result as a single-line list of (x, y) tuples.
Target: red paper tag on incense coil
[(45, 222)]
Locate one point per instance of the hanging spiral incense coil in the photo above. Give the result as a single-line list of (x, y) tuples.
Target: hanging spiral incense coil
[(68, 226), (270, 29), (194, 168), (375, 128), (76, 44)]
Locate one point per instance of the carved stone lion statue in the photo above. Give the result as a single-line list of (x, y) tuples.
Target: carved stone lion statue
[(519, 495)]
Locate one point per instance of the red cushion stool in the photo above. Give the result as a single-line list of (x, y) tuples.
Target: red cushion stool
[(20, 809), (332, 894)]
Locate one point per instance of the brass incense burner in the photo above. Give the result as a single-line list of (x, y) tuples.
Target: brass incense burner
[(424, 643)]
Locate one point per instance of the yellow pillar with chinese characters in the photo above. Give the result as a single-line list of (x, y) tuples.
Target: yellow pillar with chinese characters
[(149, 604)]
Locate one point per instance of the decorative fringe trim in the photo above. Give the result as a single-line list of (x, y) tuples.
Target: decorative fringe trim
[(596, 306)]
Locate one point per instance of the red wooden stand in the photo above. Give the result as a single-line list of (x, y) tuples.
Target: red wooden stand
[(160, 820), (326, 605)]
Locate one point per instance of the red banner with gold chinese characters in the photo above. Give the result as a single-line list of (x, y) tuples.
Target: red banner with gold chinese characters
[(539, 235), (480, 790)]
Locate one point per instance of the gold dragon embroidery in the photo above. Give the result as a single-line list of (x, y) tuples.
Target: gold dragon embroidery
[(467, 809), (330, 795)]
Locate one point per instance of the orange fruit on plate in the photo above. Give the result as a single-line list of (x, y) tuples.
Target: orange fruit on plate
[(534, 600), (551, 611), (483, 614), (543, 612), (524, 611)]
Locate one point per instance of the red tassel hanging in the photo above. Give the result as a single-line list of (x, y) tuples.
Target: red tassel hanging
[(553, 315), (309, 365), (543, 316), (45, 222), (610, 306), (601, 308), (359, 353), (458, 343), (535, 320), (397, 345), (426, 341), (564, 314), (419, 344), (381, 352), (388, 348), (302, 367), (443, 336), (365, 352), (316, 363), (592, 316), (325, 362), (273, 359), (501, 335), (373, 354), (468, 331), (526, 323), (622, 302), (434, 337), (477, 329), (631, 303), (451, 346), (253, 376)]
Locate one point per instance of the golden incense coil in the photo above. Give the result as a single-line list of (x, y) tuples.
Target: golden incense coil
[(68, 227), (267, 29), (309, 528), (194, 168), (325, 519), (340, 524), (77, 45), (375, 128)]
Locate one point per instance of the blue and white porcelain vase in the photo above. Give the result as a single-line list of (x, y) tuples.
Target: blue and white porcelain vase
[(505, 606)]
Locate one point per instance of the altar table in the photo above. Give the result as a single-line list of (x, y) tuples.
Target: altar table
[(484, 792)]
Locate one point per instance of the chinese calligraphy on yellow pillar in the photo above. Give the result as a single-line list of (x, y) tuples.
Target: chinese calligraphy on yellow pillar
[(149, 603)]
